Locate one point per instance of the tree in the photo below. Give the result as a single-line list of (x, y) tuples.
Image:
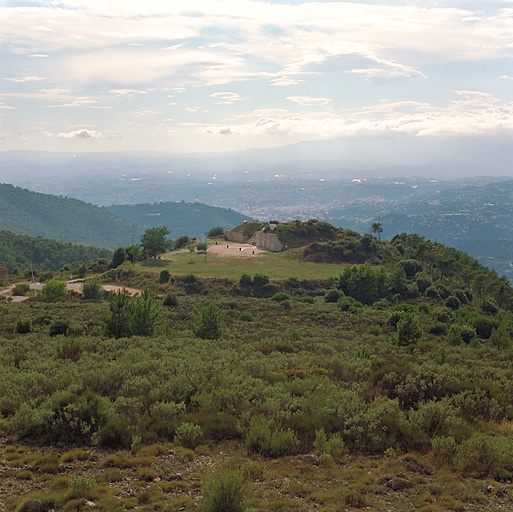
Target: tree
[(92, 289), (377, 227), (217, 231), (54, 289), (154, 241), (408, 330), (210, 325)]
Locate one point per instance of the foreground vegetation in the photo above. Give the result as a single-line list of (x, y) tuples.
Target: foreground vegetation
[(386, 386)]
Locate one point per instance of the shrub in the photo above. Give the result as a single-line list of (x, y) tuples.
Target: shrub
[(489, 305), (433, 293), (188, 435), (444, 448), (332, 446), (246, 317), (269, 440), (223, 491), (92, 289), (71, 350), (210, 326), (217, 231), (245, 281), (479, 454), (452, 302), (21, 289), (438, 328), (394, 317), (467, 333), (484, 326), (306, 299), (164, 276), (59, 328), (280, 296), (115, 434), (55, 289), (454, 336), (345, 303), (23, 326), (170, 300), (333, 295), (408, 330)]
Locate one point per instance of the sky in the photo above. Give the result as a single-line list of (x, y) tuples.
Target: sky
[(227, 75)]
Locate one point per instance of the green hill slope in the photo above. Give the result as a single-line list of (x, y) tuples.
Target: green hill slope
[(62, 219), (193, 219), (43, 253)]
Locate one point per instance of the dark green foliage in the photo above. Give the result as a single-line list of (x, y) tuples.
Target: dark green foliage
[(245, 281), (21, 289), (408, 330), (164, 276), (128, 316), (217, 231), (411, 267), (170, 300), (210, 325), (490, 306), (483, 326), (361, 282), (433, 293), (154, 241), (333, 295), (188, 435), (280, 296), (181, 241), (223, 491), (201, 247), (92, 289), (246, 317), (23, 326), (116, 433), (55, 289), (59, 328), (119, 257), (452, 302)]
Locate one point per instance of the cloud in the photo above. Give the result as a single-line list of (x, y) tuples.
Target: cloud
[(126, 92), (226, 98), (309, 100), (24, 79), (80, 134), (146, 114)]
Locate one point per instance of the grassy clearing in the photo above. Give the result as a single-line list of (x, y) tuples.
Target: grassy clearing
[(275, 265)]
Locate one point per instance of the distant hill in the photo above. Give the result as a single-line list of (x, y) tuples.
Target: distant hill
[(63, 219), (193, 219), (40, 253)]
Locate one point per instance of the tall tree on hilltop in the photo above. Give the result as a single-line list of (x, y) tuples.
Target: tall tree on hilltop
[(154, 241), (377, 227)]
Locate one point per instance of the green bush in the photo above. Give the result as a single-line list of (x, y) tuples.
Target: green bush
[(21, 289), (115, 434), (210, 326), (223, 491), (55, 289), (170, 300), (345, 303), (332, 446), (92, 289), (246, 317), (452, 302), (408, 330), (164, 276), (188, 435), (217, 231), (280, 296), (269, 440), (23, 326), (333, 295)]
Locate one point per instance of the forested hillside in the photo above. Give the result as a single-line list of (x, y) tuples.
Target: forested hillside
[(24, 252), (63, 219), (192, 219)]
